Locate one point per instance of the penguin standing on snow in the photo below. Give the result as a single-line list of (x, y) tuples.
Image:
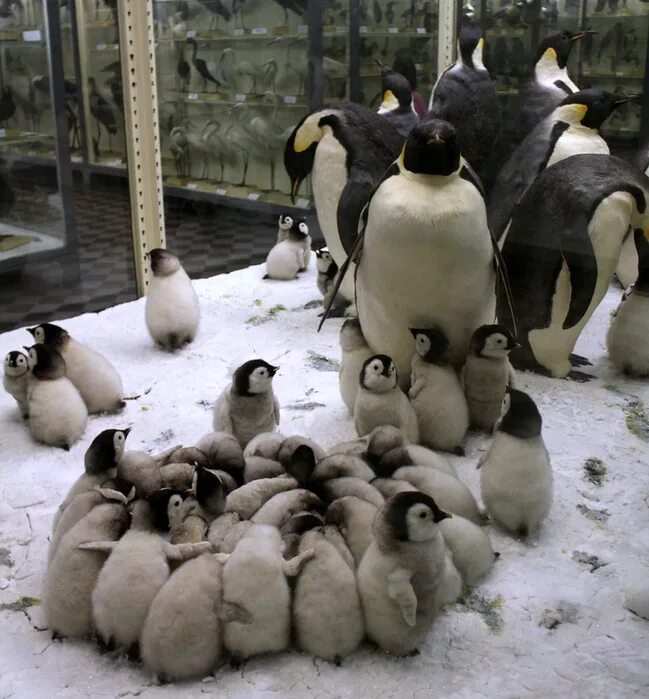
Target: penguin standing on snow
[(561, 250), (14, 380), (571, 129), (396, 100), (628, 336), (550, 84), (465, 96), (347, 148), (429, 210), (291, 255)]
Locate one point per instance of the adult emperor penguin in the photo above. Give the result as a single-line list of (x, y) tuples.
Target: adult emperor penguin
[(571, 129), (550, 83), (561, 250), (427, 254), (347, 148), (396, 100), (465, 96)]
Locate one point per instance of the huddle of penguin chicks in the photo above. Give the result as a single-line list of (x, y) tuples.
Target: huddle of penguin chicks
[(164, 557), (292, 252), (58, 383)]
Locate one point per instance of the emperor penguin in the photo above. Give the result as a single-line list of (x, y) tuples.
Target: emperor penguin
[(516, 480), (347, 148), (628, 335), (172, 311), (380, 401), (291, 255), (561, 250), (93, 376), (248, 406), (570, 129), (354, 351), (465, 96), (327, 270), (396, 100), (550, 83), (401, 574), (432, 199), (57, 413), (14, 380), (436, 393)]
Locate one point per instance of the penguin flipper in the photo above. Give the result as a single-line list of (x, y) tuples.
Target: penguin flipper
[(401, 591), (103, 546), (579, 256), (352, 200)]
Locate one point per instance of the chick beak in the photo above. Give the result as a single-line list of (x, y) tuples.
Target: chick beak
[(127, 431), (32, 331)]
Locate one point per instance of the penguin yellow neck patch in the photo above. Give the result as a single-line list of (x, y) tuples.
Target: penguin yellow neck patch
[(389, 102)]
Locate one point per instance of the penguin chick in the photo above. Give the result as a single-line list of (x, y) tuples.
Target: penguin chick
[(436, 393), (413, 455), (14, 380), (298, 236), (73, 572), (327, 271), (382, 439), (290, 444), (248, 407), (516, 480), (220, 527), (172, 312), (355, 447), (223, 451), (353, 516), (255, 623), (257, 467), (185, 455), (340, 487), (135, 571), (342, 465), (401, 574), (290, 256), (266, 445), (209, 492), (234, 535), (627, 336), (354, 352), (451, 588), (283, 506), (249, 498), (470, 548), (380, 401), (327, 615), (487, 373), (92, 374), (390, 486), (177, 476), (284, 225), (140, 469), (57, 413), (182, 635)]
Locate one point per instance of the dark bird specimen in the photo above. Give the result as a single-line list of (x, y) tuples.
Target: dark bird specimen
[(7, 196), (510, 14), (466, 97), (218, 9), (73, 126), (201, 67), (613, 40), (7, 105), (183, 69), (297, 6), (396, 100), (103, 114)]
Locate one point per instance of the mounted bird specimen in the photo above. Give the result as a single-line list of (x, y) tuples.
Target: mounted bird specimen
[(103, 114), (7, 105), (202, 68)]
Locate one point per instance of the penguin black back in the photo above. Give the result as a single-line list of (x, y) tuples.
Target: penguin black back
[(432, 148), (47, 364), (522, 419), (299, 229), (396, 512), (49, 334)]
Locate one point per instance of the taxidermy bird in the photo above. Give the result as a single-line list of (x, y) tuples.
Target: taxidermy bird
[(202, 67), (183, 68), (297, 6), (104, 115), (7, 105), (178, 147), (218, 9)]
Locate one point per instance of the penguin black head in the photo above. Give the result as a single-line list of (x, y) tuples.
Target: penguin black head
[(285, 222), (412, 516), (299, 229), (16, 364), (470, 43), (432, 345), (558, 45), (405, 64), (209, 491), (432, 148), (598, 105), (163, 262), (379, 375), (161, 503), (301, 464), (105, 450), (492, 341), (49, 334), (253, 377), (396, 92), (519, 415), (45, 362)]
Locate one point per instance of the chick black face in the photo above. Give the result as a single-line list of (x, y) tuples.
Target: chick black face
[(105, 450), (432, 345), (432, 148), (412, 516), (492, 341), (45, 362), (299, 229), (599, 105), (253, 377), (519, 415), (16, 364), (285, 222), (379, 374), (163, 262), (561, 43), (209, 491), (49, 334)]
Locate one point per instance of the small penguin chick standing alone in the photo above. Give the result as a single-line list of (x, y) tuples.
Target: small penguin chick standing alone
[(354, 352), (172, 311), (291, 255), (436, 394), (16, 371), (516, 481), (93, 376), (380, 401), (247, 407), (401, 574), (487, 373), (57, 413)]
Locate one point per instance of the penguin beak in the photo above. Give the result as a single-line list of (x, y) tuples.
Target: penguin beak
[(274, 370), (621, 99), (127, 431), (295, 186), (636, 99), (32, 331), (436, 140), (26, 348), (582, 34)]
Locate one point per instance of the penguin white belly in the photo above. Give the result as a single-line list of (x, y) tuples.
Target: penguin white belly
[(16, 386), (284, 261), (440, 405), (575, 141), (328, 178), (627, 266), (427, 260), (172, 307), (374, 410), (628, 336), (553, 345), (57, 413), (94, 377), (516, 481), (350, 370)]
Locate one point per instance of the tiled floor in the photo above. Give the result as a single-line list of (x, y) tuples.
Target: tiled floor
[(208, 239)]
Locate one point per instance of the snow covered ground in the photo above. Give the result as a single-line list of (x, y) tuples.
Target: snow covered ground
[(549, 620)]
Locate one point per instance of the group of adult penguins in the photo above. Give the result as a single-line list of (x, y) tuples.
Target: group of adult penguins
[(417, 241)]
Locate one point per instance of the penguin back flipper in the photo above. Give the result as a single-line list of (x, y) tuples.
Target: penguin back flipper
[(578, 254), (352, 200)]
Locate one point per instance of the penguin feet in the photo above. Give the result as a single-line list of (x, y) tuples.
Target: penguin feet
[(266, 276), (65, 446), (578, 360), (104, 646), (338, 660), (580, 376), (56, 636), (236, 662)]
